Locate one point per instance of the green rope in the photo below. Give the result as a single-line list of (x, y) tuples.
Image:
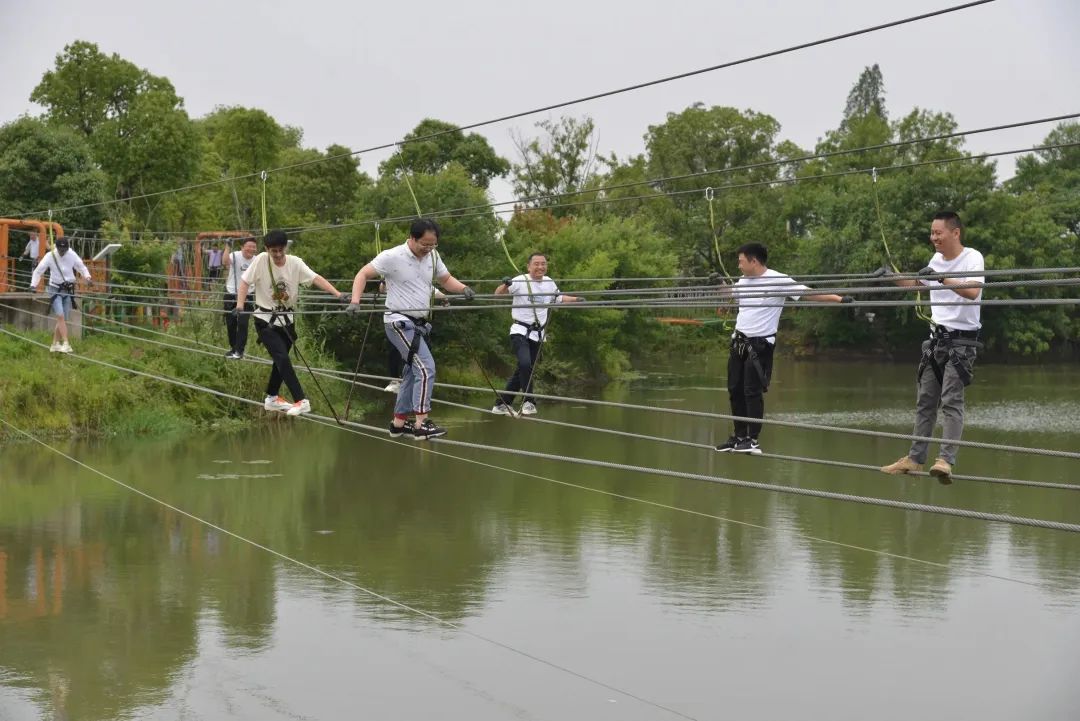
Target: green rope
[(919, 312), (262, 176), (405, 174), (709, 196)]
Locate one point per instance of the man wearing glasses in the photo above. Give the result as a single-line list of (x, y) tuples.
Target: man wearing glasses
[(410, 271)]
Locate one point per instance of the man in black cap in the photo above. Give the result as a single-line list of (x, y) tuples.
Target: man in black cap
[(62, 263)]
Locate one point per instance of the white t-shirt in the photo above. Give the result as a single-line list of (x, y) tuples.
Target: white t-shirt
[(33, 248), (409, 281), (238, 264), (965, 316), (281, 292), (760, 317), (62, 269), (532, 292)]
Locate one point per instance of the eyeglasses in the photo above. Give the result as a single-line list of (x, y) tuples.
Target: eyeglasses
[(425, 245)]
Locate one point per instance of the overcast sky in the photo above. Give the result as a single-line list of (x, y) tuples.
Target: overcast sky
[(362, 74)]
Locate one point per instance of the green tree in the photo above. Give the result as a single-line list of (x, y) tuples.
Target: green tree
[(559, 162), (135, 122), (48, 167), (430, 155)]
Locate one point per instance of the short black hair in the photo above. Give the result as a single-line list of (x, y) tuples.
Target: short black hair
[(276, 239), (952, 220), (754, 251), (533, 255), (421, 226), (249, 239)]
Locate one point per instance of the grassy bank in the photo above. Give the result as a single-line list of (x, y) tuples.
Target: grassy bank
[(54, 395)]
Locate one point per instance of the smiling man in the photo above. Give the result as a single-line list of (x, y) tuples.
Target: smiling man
[(530, 289), (948, 357)]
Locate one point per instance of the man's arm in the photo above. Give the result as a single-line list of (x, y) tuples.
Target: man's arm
[(452, 284), (569, 299), (324, 284), (969, 293), (241, 294), (365, 274)]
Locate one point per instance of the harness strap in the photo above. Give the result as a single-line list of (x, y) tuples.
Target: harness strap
[(742, 345)]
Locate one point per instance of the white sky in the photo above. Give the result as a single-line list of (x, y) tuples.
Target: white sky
[(362, 74)]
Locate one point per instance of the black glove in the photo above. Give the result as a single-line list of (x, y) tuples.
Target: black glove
[(353, 308), (927, 271), (235, 312), (847, 299), (715, 278), (345, 298), (507, 281), (882, 272), (468, 293)]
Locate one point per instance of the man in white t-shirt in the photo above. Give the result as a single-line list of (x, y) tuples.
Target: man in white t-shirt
[(948, 359), (760, 294), (61, 263), (236, 263), (31, 252), (410, 271), (527, 330), (276, 278)]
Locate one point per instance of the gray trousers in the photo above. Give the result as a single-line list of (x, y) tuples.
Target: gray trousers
[(948, 395), (418, 380)]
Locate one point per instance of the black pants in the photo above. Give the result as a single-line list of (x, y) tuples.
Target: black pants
[(526, 350), (279, 341), (746, 387), (237, 325)]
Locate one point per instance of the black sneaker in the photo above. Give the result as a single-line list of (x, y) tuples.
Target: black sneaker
[(427, 431), (729, 445), (748, 445), (396, 432)]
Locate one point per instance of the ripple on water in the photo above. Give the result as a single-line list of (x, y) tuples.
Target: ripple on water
[(1007, 416)]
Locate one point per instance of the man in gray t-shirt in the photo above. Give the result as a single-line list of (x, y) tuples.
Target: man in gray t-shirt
[(410, 271)]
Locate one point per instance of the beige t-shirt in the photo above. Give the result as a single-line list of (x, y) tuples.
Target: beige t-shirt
[(277, 287)]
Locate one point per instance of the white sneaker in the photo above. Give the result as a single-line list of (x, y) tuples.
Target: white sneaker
[(299, 407), (276, 403), (502, 409), (528, 409), (54, 348), (393, 387), (65, 347)]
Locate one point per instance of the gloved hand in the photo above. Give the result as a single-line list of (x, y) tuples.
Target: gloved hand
[(468, 293), (847, 299), (927, 271), (235, 312), (353, 308), (715, 278), (883, 272), (345, 298), (507, 281)]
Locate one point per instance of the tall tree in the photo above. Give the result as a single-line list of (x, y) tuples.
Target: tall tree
[(135, 122), (446, 144), (558, 162)]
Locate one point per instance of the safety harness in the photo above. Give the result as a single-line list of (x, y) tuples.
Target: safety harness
[(65, 286), (950, 340), (742, 346)]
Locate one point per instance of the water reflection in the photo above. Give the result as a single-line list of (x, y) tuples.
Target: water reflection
[(107, 600)]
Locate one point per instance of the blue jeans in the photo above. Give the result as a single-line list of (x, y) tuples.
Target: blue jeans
[(418, 381), (60, 303)]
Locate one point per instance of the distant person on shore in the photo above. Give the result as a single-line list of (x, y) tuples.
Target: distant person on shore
[(760, 294), (410, 271), (31, 253), (276, 278), (948, 357), (61, 263), (236, 263), (527, 328)]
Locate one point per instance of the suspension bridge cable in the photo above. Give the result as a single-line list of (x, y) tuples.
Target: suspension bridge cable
[(355, 586), (377, 434), (546, 108), (772, 487)]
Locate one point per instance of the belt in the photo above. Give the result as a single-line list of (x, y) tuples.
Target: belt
[(940, 331)]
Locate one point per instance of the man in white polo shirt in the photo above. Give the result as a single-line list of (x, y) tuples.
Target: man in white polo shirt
[(760, 294), (527, 331), (410, 271), (948, 359)]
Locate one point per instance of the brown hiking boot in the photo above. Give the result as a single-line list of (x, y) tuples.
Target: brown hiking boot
[(942, 471), (905, 465)]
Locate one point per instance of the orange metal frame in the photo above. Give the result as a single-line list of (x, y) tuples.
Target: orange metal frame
[(41, 227)]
